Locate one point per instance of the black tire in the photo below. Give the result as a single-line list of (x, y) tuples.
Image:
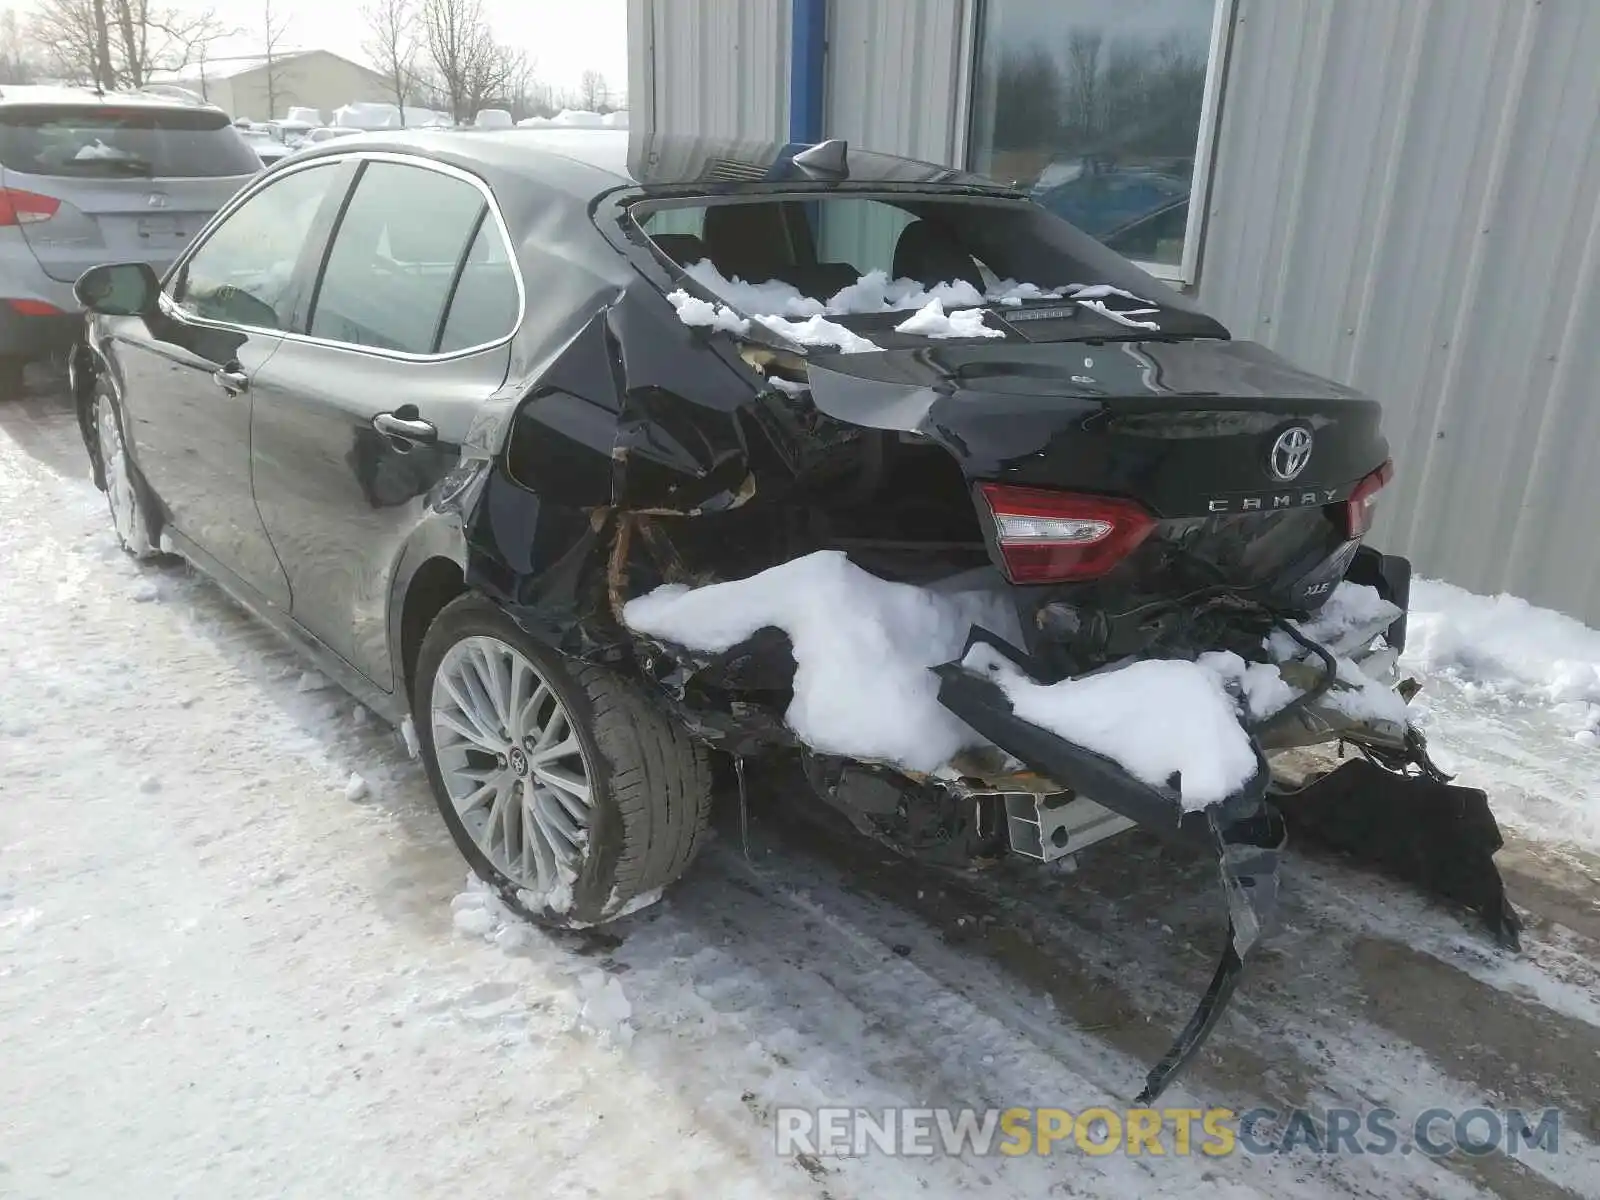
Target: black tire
[(142, 537), (650, 783)]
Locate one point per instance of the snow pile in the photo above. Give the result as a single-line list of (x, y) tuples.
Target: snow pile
[(1363, 698), (1347, 622), (1260, 686), (695, 312), (772, 298), (1503, 646), (862, 648), (932, 322), (581, 118), (819, 331), (945, 310), (1351, 617), (1160, 719)]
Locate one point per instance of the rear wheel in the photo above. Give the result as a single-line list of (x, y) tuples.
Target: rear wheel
[(130, 515), (564, 785)]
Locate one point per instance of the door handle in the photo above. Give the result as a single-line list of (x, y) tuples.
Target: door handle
[(407, 429), (231, 381)]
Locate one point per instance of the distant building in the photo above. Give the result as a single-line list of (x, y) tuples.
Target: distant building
[(315, 79)]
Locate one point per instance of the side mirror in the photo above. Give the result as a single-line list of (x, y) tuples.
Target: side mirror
[(118, 289)]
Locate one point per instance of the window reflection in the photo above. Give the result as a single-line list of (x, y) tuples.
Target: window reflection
[(1095, 106)]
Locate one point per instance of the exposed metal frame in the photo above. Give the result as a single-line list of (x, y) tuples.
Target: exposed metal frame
[(172, 309), (1222, 15)]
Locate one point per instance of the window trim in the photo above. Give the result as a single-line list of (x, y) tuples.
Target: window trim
[(171, 308), (1187, 272)]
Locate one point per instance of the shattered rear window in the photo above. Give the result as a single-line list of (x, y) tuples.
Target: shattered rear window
[(858, 273)]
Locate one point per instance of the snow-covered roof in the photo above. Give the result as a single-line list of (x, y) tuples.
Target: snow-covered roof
[(235, 65)]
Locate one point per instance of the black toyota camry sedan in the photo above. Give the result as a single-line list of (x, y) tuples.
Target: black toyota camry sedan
[(584, 452)]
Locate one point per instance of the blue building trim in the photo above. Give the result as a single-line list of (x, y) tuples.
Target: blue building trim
[(807, 42)]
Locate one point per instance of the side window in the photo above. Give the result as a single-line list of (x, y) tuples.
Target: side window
[(241, 274), (484, 306), (394, 258)]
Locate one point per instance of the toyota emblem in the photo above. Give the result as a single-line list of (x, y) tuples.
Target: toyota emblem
[(1290, 453)]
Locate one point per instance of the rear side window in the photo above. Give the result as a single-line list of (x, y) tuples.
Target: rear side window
[(89, 142), (409, 236), (484, 307)]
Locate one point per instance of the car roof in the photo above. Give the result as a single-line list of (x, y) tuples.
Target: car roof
[(586, 162), (50, 93)]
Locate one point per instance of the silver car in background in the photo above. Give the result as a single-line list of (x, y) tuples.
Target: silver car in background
[(89, 178)]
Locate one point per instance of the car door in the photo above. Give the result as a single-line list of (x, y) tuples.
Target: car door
[(187, 370), (406, 334)]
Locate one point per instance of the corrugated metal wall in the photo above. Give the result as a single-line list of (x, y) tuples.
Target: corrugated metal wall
[(1407, 198), (718, 67), (897, 75)]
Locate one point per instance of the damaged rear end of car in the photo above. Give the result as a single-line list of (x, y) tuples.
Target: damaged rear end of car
[(885, 466)]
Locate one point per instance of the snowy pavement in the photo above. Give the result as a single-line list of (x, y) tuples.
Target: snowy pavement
[(238, 956)]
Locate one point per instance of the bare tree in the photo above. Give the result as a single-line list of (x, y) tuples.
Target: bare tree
[(1083, 82), (593, 94), (119, 43), (471, 66), (273, 30), (17, 63), (392, 46)]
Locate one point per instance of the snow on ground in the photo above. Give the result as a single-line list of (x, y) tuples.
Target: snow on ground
[(1505, 648), (217, 977), (1512, 700)]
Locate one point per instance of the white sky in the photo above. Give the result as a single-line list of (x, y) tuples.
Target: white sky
[(564, 38)]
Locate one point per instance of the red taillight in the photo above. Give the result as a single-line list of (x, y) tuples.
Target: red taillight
[(25, 208), (1054, 537), (34, 308), (1358, 509)]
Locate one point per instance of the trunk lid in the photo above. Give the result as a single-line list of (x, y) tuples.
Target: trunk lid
[(1189, 429)]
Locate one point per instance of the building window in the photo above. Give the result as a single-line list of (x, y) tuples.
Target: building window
[(1103, 109)]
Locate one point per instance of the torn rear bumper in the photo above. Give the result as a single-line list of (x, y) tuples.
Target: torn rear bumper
[(1244, 831)]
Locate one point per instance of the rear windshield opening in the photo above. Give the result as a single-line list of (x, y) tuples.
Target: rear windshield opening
[(878, 264), (84, 141)]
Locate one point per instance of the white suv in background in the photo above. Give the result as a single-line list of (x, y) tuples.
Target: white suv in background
[(87, 178)]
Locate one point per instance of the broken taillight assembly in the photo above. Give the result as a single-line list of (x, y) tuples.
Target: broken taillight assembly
[(25, 208), (1046, 536), (1359, 509)]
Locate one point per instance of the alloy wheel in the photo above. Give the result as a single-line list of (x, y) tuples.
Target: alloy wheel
[(512, 764)]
